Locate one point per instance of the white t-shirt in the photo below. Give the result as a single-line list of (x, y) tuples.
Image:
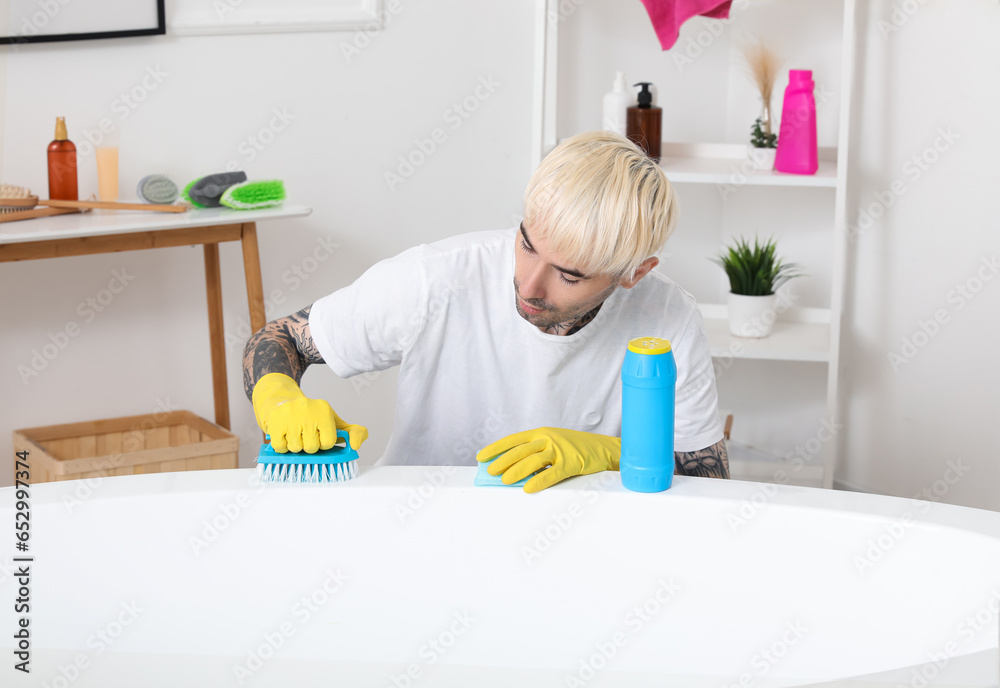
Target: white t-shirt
[(473, 371)]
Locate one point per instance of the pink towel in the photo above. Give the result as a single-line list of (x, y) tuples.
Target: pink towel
[(668, 15)]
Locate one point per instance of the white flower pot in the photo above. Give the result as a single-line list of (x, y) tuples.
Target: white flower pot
[(751, 316), (762, 158)]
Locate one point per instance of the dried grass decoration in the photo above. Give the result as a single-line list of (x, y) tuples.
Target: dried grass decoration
[(764, 64)]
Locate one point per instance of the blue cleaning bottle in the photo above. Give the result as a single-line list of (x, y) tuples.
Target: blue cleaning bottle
[(649, 380)]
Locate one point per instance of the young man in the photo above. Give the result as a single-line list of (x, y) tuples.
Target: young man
[(511, 339)]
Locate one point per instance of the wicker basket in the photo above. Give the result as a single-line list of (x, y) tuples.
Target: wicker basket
[(156, 443)]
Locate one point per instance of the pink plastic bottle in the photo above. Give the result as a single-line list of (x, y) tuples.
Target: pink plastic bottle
[(797, 152)]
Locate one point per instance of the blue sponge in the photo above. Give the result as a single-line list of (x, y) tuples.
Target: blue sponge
[(484, 479)]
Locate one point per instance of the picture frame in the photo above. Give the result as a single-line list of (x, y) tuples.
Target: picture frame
[(222, 17), (34, 21)]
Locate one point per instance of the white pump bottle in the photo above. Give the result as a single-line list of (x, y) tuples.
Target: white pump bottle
[(616, 103)]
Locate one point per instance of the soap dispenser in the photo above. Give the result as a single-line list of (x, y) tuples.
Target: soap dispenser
[(643, 121)]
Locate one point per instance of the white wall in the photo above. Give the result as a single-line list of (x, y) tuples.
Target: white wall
[(352, 119), (936, 67), (921, 73)]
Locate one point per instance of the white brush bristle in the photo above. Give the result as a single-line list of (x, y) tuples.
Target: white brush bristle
[(16, 198), (307, 472), (13, 191)]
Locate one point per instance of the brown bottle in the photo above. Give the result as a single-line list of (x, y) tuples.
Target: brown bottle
[(62, 165), (642, 123)]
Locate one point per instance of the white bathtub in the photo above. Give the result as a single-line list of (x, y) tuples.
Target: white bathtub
[(411, 577)]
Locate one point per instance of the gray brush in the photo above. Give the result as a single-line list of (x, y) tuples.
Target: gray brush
[(207, 191)]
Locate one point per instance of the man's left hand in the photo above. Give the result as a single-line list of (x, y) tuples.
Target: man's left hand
[(565, 452)]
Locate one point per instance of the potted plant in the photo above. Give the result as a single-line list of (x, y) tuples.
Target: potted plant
[(755, 273), (763, 64), (763, 147)]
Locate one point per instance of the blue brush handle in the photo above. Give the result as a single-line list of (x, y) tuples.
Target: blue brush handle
[(323, 456)]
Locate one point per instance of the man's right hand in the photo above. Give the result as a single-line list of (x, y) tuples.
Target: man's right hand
[(295, 422)]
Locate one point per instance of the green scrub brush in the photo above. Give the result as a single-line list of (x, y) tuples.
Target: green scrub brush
[(325, 466), (254, 195)]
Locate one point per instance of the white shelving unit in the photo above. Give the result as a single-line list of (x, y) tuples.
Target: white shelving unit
[(727, 165), (799, 335)]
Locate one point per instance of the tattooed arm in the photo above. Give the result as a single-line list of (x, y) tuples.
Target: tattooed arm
[(284, 346), (711, 462)]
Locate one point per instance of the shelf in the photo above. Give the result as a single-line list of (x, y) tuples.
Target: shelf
[(727, 164), (798, 335)]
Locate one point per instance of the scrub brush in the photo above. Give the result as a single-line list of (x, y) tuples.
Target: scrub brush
[(254, 195), (325, 466), (17, 203), (158, 189), (205, 192), (14, 199)]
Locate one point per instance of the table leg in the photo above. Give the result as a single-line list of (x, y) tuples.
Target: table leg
[(255, 287), (213, 285), (251, 267)]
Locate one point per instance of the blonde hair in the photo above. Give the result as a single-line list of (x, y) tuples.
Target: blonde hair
[(603, 205)]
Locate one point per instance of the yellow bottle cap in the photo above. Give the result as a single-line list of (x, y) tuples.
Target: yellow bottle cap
[(649, 345)]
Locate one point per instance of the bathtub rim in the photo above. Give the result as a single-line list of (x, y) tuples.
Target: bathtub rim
[(968, 519)]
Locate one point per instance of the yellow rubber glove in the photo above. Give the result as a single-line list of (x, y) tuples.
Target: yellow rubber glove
[(566, 452), (295, 422)]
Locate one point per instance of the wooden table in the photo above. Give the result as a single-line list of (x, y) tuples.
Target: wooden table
[(111, 231)]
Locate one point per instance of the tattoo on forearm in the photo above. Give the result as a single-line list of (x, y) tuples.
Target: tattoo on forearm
[(267, 352), (711, 462), (298, 328), (282, 346)]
